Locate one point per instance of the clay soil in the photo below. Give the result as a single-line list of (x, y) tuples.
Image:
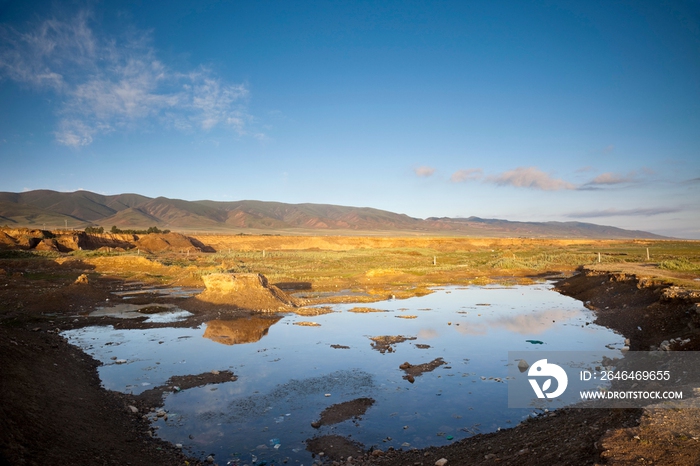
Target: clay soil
[(54, 411)]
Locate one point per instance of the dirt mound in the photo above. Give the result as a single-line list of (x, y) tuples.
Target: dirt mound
[(26, 238), (237, 331), (6, 241), (168, 242), (47, 244), (105, 241), (245, 291)]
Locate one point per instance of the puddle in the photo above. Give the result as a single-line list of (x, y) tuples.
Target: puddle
[(168, 292), (329, 294), (289, 374), (154, 313)]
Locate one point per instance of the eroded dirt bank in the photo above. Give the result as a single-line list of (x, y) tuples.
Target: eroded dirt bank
[(53, 411)]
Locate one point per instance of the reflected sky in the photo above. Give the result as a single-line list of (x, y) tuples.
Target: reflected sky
[(285, 371)]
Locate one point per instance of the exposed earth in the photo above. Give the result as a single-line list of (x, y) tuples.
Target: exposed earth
[(54, 411)]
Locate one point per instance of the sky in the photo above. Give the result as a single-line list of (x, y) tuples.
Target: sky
[(523, 110)]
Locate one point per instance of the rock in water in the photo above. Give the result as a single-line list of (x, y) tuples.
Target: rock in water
[(245, 291)]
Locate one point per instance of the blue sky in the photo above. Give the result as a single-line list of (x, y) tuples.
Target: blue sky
[(532, 111)]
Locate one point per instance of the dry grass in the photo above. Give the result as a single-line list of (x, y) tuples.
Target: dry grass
[(373, 268)]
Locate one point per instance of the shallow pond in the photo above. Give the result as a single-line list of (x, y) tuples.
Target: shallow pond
[(288, 374)]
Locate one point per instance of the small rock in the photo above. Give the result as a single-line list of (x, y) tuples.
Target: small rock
[(133, 409), (377, 453), (490, 456), (523, 365), (210, 459), (404, 366), (178, 446), (316, 424), (441, 462)]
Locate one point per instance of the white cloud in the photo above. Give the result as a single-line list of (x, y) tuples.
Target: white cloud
[(116, 83), (74, 133), (530, 177), (610, 178), (424, 171), (470, 174)]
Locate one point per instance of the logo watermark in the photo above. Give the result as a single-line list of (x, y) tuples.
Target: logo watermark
[(603, 379), (551, 371)]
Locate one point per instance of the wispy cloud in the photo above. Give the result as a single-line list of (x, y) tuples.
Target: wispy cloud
[(647, 212), (424, 171), (469, 174), (530, 177), (116, 83), (611, 178)]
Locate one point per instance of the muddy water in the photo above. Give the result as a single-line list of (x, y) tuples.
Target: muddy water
[(288, 374)]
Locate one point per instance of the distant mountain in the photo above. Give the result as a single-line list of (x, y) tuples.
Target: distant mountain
[(52, 209)]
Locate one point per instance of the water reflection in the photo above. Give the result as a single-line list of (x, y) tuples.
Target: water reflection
[(286, 379), (535, 323), (240, 330)]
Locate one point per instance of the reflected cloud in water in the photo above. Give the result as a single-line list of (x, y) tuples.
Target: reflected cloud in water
[(525, 324)]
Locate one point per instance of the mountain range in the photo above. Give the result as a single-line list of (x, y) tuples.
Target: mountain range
[(48, 209)]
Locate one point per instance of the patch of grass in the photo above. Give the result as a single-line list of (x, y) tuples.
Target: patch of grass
[(86, 253), (681, 264), (23, 254)]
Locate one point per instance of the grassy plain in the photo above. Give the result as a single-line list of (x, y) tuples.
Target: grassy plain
[(405, 266)]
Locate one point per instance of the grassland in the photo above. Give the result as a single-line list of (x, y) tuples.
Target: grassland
[(402, 266)]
